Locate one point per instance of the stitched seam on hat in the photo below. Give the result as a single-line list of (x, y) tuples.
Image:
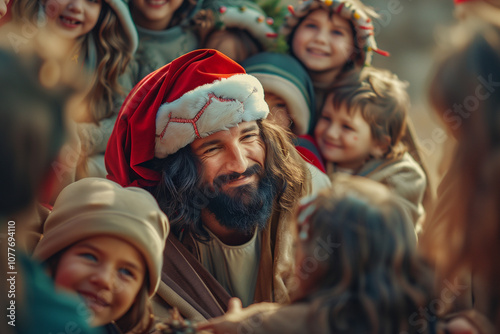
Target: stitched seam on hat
[(197, 117)]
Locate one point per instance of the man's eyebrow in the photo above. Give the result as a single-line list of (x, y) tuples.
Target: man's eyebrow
[(216, 141), (249, 129), (208, 143)]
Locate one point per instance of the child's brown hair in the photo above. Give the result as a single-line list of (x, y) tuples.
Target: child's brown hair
[(372, 279), (383, 102)]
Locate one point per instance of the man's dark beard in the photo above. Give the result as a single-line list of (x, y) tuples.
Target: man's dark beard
[(248, 207)]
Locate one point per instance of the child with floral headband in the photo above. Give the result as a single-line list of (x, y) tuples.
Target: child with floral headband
[(331, 39), (358, 270), (360, 132)]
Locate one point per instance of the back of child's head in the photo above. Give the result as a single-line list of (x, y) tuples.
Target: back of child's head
[(31, 129), (362, 241), (382, 100), (283, 76), (94, 207), (359, 16), (464, 93)]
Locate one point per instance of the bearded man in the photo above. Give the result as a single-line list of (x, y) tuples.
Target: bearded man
[(194, 134)]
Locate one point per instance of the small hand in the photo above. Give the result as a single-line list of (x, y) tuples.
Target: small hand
[(227, 323), (461, 326)]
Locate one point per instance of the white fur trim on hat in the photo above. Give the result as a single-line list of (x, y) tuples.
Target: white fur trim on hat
[(207, 109)]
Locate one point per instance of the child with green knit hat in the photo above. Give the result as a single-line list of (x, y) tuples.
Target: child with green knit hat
[(288, 89), (105, 243), (289, 92)]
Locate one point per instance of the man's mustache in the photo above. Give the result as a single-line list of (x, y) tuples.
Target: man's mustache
[(226, 178)]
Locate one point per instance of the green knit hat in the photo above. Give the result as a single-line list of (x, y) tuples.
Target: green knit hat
[(284, 76)]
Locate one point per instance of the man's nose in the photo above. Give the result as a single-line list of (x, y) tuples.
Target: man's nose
[(237, 161)]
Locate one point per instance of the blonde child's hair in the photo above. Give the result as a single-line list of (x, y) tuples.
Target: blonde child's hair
[(113, 54), (383, 102), (373, 279)]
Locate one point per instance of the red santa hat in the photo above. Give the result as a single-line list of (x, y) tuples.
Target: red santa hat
[(194, 96)]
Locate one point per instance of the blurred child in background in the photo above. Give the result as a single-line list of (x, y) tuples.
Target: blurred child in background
[(462, 234), (288, 90), (105, 243), (359, 132), (237, 28), (165, 32), (358, 270), (32, 133), (101, 37)]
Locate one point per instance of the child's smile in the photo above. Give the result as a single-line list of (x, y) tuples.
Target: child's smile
[(323, 43), (106, 272), (73, 18), (344, 137)]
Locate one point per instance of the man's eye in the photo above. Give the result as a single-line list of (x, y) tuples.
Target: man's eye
[(249, 136), (211, 150)]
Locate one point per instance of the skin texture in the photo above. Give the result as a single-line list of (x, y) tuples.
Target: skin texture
[(3, 7), (72, 18), (106, 272), (278, 111), (345, 138), (323, 44), (154, 14), (230, 153)]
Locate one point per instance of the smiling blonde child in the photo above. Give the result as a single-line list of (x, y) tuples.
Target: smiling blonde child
[(100, 36)]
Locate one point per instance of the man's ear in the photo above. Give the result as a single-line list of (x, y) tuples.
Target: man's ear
[(380, 147)]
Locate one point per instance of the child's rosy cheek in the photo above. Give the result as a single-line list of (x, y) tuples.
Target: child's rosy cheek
[(52, 8), (355, 138)]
